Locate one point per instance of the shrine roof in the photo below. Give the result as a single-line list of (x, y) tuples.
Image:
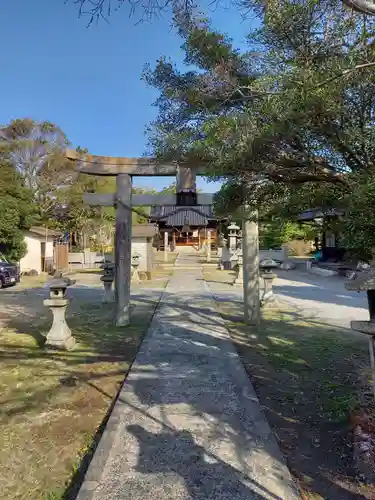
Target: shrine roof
[(198, 215)]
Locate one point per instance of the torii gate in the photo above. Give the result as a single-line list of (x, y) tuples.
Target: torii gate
[(124, 169)]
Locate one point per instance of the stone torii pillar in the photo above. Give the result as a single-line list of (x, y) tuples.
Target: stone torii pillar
[(123, 238), (166, 235), (209, 245), (250, 253)]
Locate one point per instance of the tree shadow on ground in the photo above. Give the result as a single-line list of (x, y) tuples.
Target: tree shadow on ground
[(296, 422), (322, 292), (306, 378), (204, 476), (49, 405), (328, 290)]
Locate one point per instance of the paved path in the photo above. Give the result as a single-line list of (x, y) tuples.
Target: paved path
[(187, 424), (324, 299)]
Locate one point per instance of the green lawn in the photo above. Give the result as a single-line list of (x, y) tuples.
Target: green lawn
[(53, 403), (158, 257), (308, 377)]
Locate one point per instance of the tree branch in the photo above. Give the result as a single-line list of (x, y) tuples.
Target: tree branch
[(362, 6), (347, 71)]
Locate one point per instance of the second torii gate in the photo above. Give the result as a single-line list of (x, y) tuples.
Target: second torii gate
[(124, 169)]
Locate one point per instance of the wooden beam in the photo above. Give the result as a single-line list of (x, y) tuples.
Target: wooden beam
[(139, 200), (115, 165)]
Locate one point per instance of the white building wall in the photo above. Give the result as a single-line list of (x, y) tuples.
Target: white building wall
[(140, 247), (280, 254), (33, 257), (49, 249)]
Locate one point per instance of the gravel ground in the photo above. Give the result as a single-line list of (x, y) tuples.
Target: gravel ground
[(323, 298)]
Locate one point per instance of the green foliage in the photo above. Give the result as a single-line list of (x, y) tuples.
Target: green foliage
[(171, 189), (289, 124), (37, 152), (17, 211), (358, 226), (278, 232)]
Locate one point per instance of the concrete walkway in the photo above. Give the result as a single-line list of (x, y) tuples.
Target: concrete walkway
[(187, 424)]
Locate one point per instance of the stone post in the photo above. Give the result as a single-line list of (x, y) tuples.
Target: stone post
[(59, 336), (268, 295), (250, 252), (366, 282), (174, 241), (135, 265), (233, 234), (123, 248), (267, 266), (225, 257), (239, 278), (209, 245), (165, 246), (107, 279)]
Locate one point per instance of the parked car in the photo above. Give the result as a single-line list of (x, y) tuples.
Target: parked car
[(9, 273)]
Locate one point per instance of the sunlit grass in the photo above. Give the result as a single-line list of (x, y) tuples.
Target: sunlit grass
[(52, 402)]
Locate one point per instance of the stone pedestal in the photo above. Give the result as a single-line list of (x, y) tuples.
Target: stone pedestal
[(268, 295), (239, 278), (59, 336), (233, 259), (165, 246), (225, 258), (135, 266), (209, 246), (266, 267), (107, 279), (109, 294), (233, 230)]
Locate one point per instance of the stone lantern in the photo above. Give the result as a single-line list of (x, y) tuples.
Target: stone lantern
[(59, 336), (220, 245), (135, 266), (233, 231), (239, 278), (366, 283), (224, 257), (108, 278), (267, 266)]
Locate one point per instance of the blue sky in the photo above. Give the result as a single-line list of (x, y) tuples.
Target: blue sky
[(87, 80)]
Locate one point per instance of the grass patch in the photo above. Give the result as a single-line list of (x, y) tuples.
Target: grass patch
[(308, 377), (225, 277), (52, 403), (96, 270), (160, 278), (158, 257), (321, 364), (30, 282)]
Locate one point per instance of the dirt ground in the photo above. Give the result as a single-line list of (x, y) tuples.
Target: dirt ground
[(52, 404), (308, 377)]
